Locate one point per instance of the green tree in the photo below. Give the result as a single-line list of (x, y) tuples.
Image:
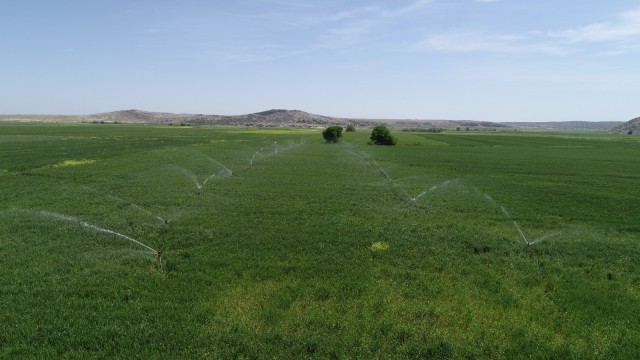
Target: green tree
[(350, 128), (380, 135), (332, 134)]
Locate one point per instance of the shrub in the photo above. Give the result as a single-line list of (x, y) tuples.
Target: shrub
[(350, 128), (382, 136), (332, 134)]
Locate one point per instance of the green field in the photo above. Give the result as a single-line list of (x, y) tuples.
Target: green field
[(121, 241)]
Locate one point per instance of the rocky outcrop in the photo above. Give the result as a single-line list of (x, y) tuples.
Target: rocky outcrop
[(631, 127)]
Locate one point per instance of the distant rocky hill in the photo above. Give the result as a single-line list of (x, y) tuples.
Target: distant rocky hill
[(631, 127), (269, 118), (300, 119), (140, 117)]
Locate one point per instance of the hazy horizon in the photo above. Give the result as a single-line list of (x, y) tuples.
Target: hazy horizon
[(337, 117)]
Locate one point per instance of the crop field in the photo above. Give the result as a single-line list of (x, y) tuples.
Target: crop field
[(121, 241)]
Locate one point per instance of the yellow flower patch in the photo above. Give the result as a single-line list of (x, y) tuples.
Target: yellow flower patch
[(379, 246), (74, 163)]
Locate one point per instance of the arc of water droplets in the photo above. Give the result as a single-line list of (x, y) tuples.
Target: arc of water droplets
[(255, 154), (433, 188), (277, 149), (190, 175), (162, 220), (545, 237), (508, 216), (93, 227), (194, 178), (413, 199), (519, 229), (142, 209)]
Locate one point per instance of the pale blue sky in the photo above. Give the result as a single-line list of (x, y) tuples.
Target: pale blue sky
[(494, 60)]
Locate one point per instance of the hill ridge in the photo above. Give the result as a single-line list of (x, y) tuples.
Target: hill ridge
[(301, 119), (631, 127)]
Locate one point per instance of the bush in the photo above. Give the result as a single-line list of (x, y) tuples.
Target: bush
[(382, 136), (332, 134), (351, 128)]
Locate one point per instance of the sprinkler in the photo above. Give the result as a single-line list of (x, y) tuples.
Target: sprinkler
[(159, 258)]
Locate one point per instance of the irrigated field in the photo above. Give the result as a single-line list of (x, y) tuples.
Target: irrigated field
[(181, 242)]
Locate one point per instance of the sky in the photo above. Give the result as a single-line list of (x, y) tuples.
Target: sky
[(490, 60)]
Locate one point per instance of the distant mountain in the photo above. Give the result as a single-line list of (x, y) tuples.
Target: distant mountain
[(300, 119), (566, 125), (631, 127), (269, 118), (139, 117)]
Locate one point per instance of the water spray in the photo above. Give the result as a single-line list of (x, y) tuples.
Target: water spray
[(508, 216), (96, 228), (517, 226), (189, 175), (430, 190), (88, 225), (162, 220), (515, 223), (194, 178), (255, 154), (545, 237), (207, 179), (216, 162), (277, 149), (136, 206)]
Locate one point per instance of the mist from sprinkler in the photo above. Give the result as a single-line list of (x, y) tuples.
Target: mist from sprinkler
[(132, 204), (216, 162), (277, 149), (85, 224), (517, 226)]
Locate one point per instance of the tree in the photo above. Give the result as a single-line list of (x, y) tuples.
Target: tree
[(380, 135), (350, 128), (332, 134)]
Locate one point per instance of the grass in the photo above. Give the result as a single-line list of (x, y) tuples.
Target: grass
[(306, 249)]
